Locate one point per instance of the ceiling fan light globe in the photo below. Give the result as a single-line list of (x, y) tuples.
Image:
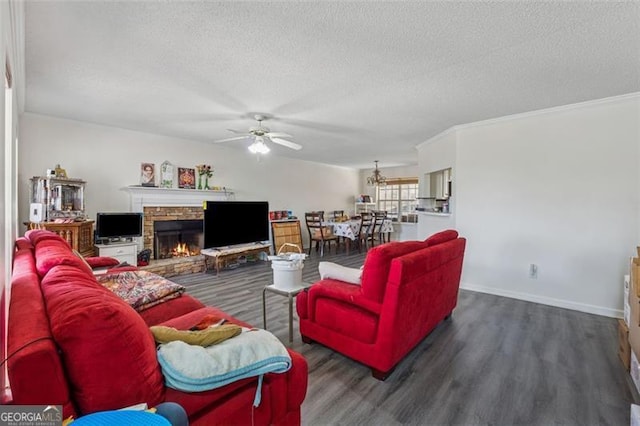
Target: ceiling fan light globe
[(258, 147)]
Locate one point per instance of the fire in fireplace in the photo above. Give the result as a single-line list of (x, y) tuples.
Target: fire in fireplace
[(177, 238)]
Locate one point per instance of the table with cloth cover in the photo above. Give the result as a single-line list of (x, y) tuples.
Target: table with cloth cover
[(349, 229)]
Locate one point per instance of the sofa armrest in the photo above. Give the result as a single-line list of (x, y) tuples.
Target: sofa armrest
[(297, 379), (341, 291)]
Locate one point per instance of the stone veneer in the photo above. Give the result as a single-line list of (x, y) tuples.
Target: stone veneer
[(177, 265), (153, 214)]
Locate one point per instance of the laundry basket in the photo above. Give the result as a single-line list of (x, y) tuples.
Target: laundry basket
[(287, 268)]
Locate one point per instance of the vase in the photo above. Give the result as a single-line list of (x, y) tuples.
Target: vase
[(206, 182), (199, 181)]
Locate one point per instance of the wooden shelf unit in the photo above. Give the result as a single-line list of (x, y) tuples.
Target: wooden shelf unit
[(79, 235), (361, 207)]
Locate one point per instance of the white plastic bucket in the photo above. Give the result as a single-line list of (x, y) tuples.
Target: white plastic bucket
[(287, 275)]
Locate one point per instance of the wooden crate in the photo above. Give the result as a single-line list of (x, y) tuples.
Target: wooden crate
[(624, 349), (286, 232), (635, 274)]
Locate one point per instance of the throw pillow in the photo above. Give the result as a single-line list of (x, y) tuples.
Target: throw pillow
[(101, 261), (338, 272), (82, 258), (207, 337)]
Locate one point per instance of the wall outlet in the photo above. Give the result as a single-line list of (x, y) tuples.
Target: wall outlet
[(533, 271)]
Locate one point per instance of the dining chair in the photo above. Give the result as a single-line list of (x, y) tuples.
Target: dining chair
[(379, 217), (319, 233), (358, 240), (336, 214), (364, 234)]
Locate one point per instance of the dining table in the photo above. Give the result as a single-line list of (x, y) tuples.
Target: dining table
[(350, 229)]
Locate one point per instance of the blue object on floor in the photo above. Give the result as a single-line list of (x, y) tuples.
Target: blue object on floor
[(121, 417)]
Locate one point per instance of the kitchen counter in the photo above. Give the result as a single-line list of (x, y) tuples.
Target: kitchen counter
[(406, 231), (429, 213)]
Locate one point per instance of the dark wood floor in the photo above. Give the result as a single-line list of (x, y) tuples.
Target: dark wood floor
[(499, 361)]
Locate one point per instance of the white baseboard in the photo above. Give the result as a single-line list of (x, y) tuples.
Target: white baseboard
[(582, 307)]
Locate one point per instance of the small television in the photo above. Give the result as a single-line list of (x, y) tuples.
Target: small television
[(117, 226), (229, 223)]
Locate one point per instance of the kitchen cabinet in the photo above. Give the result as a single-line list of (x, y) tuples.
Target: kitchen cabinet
[(435, 191), (436, 185)]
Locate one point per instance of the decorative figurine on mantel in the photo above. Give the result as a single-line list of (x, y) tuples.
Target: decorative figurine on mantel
[(166, 175), (206, 171)]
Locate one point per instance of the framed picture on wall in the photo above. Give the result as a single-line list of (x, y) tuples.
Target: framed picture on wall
[(148, 174), (186, 178)]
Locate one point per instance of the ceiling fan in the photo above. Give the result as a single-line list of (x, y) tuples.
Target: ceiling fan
[(260, 134)]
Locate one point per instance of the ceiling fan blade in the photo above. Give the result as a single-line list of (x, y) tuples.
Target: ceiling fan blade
[(278, 135), (286, 143), (238, 132), (236, 138)]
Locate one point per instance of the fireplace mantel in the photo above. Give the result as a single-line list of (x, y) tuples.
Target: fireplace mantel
[(145, 196)]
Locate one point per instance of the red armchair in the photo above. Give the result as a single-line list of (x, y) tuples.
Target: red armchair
[(407, 288)]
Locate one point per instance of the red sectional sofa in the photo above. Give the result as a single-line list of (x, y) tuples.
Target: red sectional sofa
[(406, 289), (72, 342)]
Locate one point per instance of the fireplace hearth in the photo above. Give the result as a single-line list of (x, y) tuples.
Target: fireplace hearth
[(177, 238)]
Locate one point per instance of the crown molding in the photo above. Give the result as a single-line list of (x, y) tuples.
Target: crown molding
[(528, 114)]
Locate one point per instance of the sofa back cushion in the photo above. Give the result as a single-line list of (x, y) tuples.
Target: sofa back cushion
[(377, 265), (51, 250), (23, 243), (441, 237), (36, 373), (108, 351), (37, 235)]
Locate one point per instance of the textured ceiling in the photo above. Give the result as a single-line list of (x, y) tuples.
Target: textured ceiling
[(352, 82)]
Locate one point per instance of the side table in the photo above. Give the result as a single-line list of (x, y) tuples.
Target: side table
[(289, 292)]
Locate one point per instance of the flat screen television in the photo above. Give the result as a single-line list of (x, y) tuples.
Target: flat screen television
[(229, 223), (116, 226)]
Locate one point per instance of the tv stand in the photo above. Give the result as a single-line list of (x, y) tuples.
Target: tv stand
[(224, 256), (123, 251)]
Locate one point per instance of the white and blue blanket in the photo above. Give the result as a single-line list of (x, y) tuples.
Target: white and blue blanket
[(193, 368)]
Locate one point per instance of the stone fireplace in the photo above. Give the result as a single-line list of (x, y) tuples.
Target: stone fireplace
[(177, 238), (165, 227), (171, 208)]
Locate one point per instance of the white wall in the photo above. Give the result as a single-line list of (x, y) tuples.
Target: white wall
[(559, 189), (438, 153), (12, 53), (109, 159)]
